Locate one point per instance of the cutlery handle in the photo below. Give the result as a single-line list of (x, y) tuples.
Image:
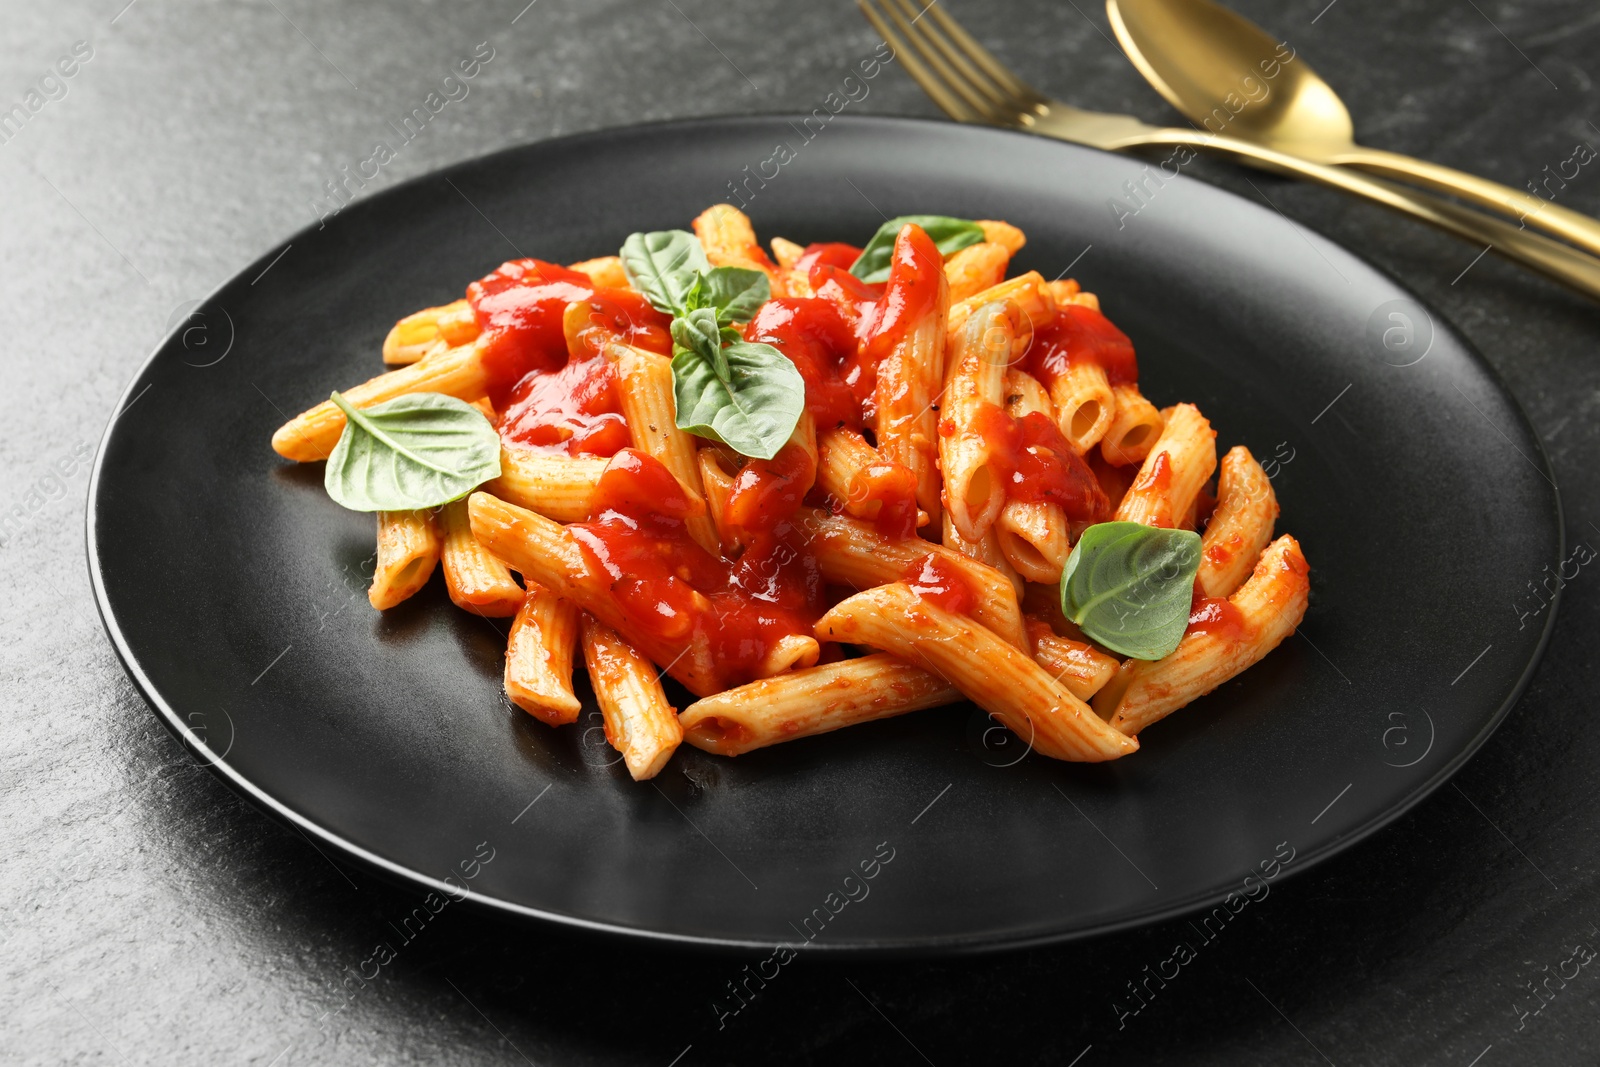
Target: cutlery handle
[(1565, 264), (1525, 207)]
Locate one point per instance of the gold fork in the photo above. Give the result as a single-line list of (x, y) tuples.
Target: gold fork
[(971, 85)]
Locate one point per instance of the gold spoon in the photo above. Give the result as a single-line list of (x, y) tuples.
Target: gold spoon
[(1227, 74)]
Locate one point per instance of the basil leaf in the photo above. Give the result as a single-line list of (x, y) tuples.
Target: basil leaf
[(699, 333), (1129, 586), (734, 293), (664, 266), (751, 402), (416, 451), (949, 235)]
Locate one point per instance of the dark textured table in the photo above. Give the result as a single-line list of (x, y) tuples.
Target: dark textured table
[(149, 915)]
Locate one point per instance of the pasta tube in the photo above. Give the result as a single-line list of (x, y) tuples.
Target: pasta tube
[(1032, 534), (408, 550), (853, 553), (974, 389), (1135, 426), (1183, 460), (415, 335), (477, 581), (1256, 619), (991, 673), (644, 384), (544, 553), (1240, 527), (812, 701), (556, 486), (909, 380), (639, 721), (538, 676), (456, 372)]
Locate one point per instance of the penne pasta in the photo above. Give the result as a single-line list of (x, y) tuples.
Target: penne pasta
[(863, 483), (912, 372), (1032, 535), (1181, 462), (993, 674), (544, 553), (415, 335), (538, 675), (1232, 635), (1078, 665), (717, 480), (311, 435), (1004, 234), (477, 581), (644, 382), (1135, 426), (815, 700), (639, 722), (556, 486), (730, 241), (976, 268), (974, 389), (1084, 404), (1069, 292), (408, 550), (786, 253), (606, 272), (1028, 292), (985, 550), (853, 553), (1240, 527)]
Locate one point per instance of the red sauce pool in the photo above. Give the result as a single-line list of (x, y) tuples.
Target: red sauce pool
[(672, 592), (519, 310), (938, 581), (1081, 334), (767, 492)]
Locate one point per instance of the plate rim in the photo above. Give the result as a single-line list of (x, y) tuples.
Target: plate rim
[(874, 948)]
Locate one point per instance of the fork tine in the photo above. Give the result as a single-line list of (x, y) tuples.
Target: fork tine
[(1035, 100), (952, 81), (999, 95), (949, 102)]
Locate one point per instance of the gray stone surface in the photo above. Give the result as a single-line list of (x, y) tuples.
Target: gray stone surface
[(147, 915)]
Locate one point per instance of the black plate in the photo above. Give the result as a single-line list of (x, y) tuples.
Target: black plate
[(233, 588)]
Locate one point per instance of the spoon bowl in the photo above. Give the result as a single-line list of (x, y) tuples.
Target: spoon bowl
[(1232, 78)]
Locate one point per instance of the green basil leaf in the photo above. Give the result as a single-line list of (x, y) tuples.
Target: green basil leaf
[(949, 236), (699, 333), (417, 451), (752, 408), (1129, 586), (734, 293), (664, 265)]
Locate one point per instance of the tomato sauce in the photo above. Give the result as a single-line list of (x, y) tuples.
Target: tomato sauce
[(822, 346), (672, 592), (915, 273), (519, 310), (573, 410), (830, 253), (1215, 616), (1081, 334), (894, 487), (938, 581), (767, 492), (1037, 465)]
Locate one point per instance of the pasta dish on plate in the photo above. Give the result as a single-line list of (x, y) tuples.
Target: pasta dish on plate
[(815, 487)]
